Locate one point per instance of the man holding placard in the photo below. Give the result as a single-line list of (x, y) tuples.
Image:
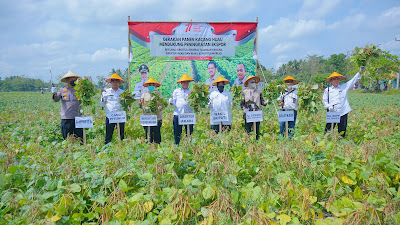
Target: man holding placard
[(180, 99), (289, 101), (110, 99), (220, 106), (335, 99), (153, 133), (70, 106), (252, 102)]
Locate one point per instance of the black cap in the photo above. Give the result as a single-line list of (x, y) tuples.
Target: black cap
[(143, 69)]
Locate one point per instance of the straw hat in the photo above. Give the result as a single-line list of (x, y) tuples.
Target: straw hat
[(184, 77), (115, 77), (151, 81), (290, 78), (68, 75), (220, 79), (335, 74), (251, 77)]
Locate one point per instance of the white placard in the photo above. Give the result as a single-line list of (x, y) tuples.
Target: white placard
[(286, 116), (117, 117), (220, 116), (187, 118), (84, 122), (332, 117), (148, 120), (254, 116)]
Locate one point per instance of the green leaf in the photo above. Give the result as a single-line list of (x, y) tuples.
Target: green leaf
[(146, 176), (208, 192), (196, 182), (187, 179), (283, 219), (75, 188), (358, 193)]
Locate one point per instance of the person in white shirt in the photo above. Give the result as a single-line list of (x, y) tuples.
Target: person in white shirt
[(220, 101), (212, 69), (180, 99), (289, 101), (110, 99), (139, 88), (241, 74), (335, 99)]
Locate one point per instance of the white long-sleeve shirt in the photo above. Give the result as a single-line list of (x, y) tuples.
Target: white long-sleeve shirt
[(220, 102), (290, 100), (338, 96), (110, 99), (180, 99)]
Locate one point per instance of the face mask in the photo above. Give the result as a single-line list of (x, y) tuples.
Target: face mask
[(220, 88), (152, 88), (72, 83), (253, 85)]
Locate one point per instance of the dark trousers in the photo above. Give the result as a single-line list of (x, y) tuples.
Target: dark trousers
[(291, 125), (224, 128), (155, 132), (178, 129), (341, 126), (68, 128), (249, 128), (110, 130)]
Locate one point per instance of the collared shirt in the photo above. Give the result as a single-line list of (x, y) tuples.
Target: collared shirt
[(209, 82), (70, 106), (240, 82), (290, 99), (220, 102), (252, 99), (145, 100), (139, 89), (180, 99), (335, 98), (110, 99)]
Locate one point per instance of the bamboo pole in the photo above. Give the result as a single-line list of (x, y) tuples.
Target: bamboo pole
[(119, 132), (220, 127), (287, 128), (84, 136), (148, 134)]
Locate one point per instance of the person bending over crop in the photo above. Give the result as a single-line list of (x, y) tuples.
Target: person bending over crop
[(252, 102), (110, 99), (220, 101), (70, 106), (335, 99), (180, 99), (146, 101)]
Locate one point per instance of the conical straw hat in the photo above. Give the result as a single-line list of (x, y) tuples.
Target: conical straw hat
[(290, 78), (68, 75), (220, 79), (184, 77), (251, 77), (151, 81), (335, 74), (115, 77)]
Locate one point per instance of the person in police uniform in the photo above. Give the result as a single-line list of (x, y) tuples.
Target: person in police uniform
[(335, 99), (110, 99), (139, 88), (70, 106), (289, 101)]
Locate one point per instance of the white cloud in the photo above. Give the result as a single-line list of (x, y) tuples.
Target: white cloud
[(106, 54), (284, 47), (317, 8), (389, 18)]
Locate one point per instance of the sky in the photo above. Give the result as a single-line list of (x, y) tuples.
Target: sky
[(90, 37)]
